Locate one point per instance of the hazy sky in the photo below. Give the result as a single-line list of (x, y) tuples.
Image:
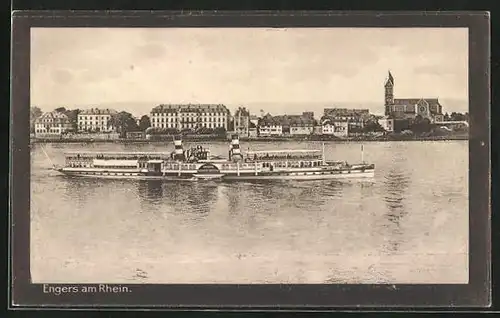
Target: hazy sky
[(281, 70)]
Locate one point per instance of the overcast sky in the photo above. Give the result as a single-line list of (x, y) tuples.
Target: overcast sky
[(280, 70)]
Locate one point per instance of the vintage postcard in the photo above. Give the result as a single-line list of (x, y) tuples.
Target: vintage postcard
[(264, 156)]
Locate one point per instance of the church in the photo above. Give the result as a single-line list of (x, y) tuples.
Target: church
[(409, 108)]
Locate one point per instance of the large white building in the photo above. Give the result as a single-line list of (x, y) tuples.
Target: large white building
[(54, 123), (96, 120), (192, 117)]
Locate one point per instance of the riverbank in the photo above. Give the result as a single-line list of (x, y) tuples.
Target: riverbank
[(262, 139)]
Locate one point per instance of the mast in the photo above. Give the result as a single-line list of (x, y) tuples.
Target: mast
[(362, 154), (323, 153)]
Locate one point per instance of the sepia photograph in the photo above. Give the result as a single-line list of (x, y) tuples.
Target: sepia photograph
[(249, 155)]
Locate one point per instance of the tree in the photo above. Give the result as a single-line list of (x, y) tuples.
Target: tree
[(73, 117), (421, 125), (204, 131), (60, 110), (144, 123), (171, 131), (446, 117), (355, 129), (220, 131), (123, 122), (458, 116), (35, 112), (230, 124), (373, 126)]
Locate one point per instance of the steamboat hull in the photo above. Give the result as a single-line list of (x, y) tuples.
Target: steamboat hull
[(196, 164), (174, 176)]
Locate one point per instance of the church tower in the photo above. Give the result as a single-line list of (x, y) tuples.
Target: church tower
[(389, 94)]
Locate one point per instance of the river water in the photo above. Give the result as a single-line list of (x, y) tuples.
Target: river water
[(407, 225)]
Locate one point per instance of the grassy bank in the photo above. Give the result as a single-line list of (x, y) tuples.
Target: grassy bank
[(261, 139)]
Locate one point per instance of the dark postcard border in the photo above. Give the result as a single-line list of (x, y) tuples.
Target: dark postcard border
[(475, 294)]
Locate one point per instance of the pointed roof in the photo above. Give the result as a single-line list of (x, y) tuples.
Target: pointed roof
[(390, 80)]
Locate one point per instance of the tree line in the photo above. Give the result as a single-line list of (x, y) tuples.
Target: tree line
[(456, 117)]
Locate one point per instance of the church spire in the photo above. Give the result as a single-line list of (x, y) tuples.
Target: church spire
[(389, 94), (390, 80)]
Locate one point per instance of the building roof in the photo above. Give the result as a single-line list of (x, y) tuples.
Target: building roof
[(287, 120), (346, 112), (414, 101), (191, 108), (330, 120), (52, 116), (98, 111)]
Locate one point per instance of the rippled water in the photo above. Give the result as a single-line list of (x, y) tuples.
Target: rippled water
[(408, 225)]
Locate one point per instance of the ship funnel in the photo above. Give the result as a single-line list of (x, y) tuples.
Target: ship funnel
[(178, 150), (235, 151)]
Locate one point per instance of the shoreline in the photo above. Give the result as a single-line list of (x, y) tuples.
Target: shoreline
[(262, 139)]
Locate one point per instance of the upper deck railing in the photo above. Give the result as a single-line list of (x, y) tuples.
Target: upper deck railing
[(118, 155), (295, 154)]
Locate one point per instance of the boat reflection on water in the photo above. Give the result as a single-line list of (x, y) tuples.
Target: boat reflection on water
[(189, 198), (150, 190)]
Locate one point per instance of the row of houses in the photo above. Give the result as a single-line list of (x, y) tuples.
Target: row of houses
[(335, 121), (57, 123)]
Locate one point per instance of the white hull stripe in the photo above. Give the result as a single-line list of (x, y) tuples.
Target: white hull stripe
[(290, 176)]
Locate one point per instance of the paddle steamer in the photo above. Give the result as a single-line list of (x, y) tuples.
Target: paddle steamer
[(197, 163)]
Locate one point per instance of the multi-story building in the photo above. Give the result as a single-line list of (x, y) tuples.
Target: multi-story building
[(356, 118), (96, 120), (410, 108), (242, 122), (54, 123), (286, 125), (269, 126), (338, 128), (301, 124), (190, 117)]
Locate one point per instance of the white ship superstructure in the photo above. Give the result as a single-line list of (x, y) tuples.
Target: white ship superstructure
[(197, 163)]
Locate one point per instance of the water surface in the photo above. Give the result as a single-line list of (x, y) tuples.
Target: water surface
[(408, 225)]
